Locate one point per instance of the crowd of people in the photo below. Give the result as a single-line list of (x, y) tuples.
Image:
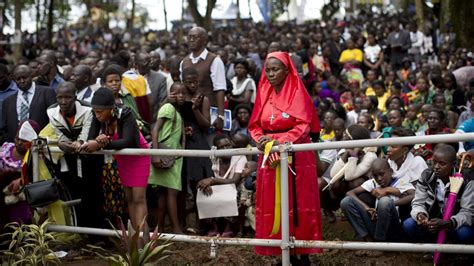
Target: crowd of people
[(367, 77)]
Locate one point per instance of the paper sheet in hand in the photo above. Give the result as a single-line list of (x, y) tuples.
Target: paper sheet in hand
[(222, 202), (227, 118)]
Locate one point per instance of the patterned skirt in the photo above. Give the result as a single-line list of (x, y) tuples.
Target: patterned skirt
[(115, 204)]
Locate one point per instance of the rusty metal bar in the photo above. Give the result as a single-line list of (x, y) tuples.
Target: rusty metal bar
[(348, 245)]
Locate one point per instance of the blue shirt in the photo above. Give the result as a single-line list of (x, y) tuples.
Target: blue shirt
[(56, 81), (11, 89), (468, 127)]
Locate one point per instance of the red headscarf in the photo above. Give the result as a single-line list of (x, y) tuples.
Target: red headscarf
[(292, 99)]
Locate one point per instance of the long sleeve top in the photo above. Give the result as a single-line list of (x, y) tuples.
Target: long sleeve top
[(353, 169)]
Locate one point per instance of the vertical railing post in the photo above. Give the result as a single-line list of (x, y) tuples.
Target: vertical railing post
[(285, 218), (35, 157)]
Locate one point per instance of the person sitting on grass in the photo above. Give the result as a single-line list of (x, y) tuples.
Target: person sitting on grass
[(381, 222), (432, 191), (247, 189)]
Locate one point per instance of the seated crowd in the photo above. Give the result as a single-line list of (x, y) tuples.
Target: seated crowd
[(133, 100)]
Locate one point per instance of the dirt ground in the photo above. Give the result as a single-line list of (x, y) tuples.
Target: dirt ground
[(198, 254)]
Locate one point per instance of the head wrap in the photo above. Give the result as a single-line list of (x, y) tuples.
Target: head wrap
[(293, 98), (28, 130), (103, 99)]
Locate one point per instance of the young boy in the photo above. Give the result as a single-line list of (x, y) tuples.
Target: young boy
[(380, 223), (247, 196), (431, 195)]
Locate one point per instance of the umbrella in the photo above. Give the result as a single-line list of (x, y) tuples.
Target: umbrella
[(455, 182), (463, 75)]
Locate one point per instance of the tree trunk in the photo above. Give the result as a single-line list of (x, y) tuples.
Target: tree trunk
[(50, 22), (132, 18), (250, 10), (420, 19), (166, 15), (3, 6), (202, 21), (239, 22), (461, 14), (18, 40), (38, 16)]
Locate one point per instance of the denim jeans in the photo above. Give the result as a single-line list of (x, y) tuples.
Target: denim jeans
[(385, 227), (419, 234)]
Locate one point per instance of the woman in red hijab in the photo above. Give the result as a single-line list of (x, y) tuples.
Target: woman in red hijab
[(284, 112)]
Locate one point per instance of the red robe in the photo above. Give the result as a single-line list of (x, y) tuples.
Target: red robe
[(286, 117)]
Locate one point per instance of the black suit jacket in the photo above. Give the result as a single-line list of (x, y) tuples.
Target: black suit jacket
[(43, 98)]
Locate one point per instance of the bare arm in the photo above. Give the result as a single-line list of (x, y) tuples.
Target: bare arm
[(406, 198), (354, 194)]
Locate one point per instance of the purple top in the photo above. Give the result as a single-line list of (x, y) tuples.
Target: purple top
[(7, 162)]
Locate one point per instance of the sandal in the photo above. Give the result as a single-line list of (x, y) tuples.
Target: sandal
[(228, 234)]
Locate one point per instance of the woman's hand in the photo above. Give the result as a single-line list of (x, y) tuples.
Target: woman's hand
[(91, 146), (263, 140), (103, 139)]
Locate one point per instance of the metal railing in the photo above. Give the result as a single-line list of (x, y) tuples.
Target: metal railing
[(287, 242)]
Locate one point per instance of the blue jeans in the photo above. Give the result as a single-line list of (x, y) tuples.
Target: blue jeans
[(385, 227), (462, 235)]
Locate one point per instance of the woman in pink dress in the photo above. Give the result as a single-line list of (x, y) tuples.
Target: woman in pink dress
[(116, 128)]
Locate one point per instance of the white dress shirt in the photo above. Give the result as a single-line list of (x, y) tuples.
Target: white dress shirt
[(19, 99)]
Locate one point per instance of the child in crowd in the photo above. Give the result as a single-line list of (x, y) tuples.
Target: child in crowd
[(431, 194), (168, 134), (247, 197), (367, 121), (354, 113), (196, 119), (325, 163), (327, 131), (227, 170), (411, 120), (379, 222)]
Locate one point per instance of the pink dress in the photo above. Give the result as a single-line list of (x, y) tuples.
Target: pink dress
[(134, 170)]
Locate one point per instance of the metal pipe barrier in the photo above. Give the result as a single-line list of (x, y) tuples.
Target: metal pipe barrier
[(286, 243), (350, 245)]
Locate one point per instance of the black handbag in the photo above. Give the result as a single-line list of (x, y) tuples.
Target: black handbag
[(44, 192)]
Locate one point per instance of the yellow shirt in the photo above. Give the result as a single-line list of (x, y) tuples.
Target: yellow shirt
[(351, 54), (382, 100)]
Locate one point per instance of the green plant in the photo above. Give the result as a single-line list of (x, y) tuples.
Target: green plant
[(30, 244), (129, 252)]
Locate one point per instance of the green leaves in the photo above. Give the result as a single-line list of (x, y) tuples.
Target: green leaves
[(30, 244), (129, 253)]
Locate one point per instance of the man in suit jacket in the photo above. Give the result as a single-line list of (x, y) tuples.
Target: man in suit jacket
[(29, 102), (399, 42), (156, 81)]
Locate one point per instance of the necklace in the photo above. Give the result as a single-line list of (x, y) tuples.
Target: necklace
[(273, 116)]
